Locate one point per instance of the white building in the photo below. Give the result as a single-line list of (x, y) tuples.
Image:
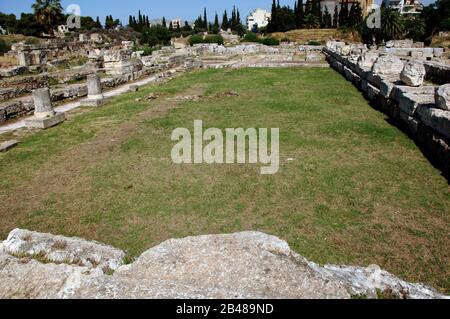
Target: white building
[(258, 17), (405, 7)]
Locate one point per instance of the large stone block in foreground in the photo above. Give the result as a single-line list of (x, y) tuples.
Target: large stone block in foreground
[(242, 265)]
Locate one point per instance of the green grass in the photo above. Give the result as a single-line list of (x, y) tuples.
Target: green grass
[(358, 191)]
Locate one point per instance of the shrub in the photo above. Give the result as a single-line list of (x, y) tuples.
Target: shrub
[(214, 38), (195, 39), (314, 42), (4, 47), (251, 37), (270, 41)]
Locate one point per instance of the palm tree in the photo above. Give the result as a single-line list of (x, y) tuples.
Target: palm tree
[(392, 25), (47, 13)]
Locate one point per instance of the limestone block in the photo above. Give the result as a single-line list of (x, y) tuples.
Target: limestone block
[(44, 123), (6, 146), (442, 97), (413, 73), (437, 119), (388, 65)]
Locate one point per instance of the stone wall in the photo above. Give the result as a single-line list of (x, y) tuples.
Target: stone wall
[(380, 77)]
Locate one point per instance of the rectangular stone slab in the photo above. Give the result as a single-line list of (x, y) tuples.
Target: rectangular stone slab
[(94, 102), (45, 122), (6, 146)]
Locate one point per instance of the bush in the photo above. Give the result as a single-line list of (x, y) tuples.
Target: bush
[(270, 41), (195, 39), (251, 37), (445, 24), (4, 47), (314, 42)]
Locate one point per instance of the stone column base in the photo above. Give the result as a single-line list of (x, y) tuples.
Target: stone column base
[(44, 123), (94, 102)]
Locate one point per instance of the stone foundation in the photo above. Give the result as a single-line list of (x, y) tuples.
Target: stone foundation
[(413, 108)]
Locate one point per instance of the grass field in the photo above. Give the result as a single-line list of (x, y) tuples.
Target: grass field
[(357, 192)]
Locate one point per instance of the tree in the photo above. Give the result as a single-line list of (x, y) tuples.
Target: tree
[(335, 17), (326, 19), (300, 14), (225, 24), (216, 27), (156, 35), (98, 24), (343, 15), (273, 23), (205, 19), (164, 23), (355, 15), (8, 22), (312, 21), (111, 23), (47, 13), (392, 25), (415, 28)]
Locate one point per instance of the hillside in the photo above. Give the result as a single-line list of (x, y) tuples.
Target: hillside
[(320, 35)]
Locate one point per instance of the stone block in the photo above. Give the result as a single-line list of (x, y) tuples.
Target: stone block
[(442, 97), (133, 88), (413, 73), (437, 119), (44, 123), (6, 146)]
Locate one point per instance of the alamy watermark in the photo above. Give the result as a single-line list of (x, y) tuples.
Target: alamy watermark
[(74, 19), (373, 20), (212, 146)]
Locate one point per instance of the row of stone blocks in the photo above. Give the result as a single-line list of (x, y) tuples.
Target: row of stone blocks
[(44, 113), (414, 107)]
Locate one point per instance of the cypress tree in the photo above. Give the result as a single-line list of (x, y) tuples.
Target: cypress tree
[(205, 18), (335, 17), (273, 24), (343, 15), (225, 21), (164, 23), (307, 7), (216, 22), (98, 24), (301, 13)]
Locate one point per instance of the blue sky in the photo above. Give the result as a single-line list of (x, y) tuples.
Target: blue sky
[(184, 9)]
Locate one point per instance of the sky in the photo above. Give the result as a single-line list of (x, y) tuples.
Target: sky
[(171, 9)]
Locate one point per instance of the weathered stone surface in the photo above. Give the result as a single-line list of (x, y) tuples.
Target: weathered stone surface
[(240, 265), (42, 103), (437, 119), (45, 122), (13, 71), (443, 97), (413, 73), (367, 59), (59, 249), (388, 65), (6, 146)]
